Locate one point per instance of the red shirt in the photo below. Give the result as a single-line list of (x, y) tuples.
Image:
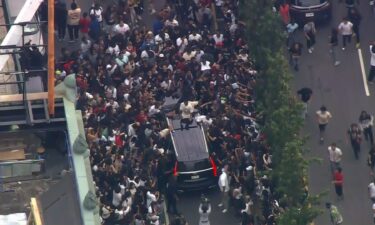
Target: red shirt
[(284, 12), (84, 23), (339, 178)]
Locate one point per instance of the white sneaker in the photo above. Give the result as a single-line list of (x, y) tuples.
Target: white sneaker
[(310, 50), (224, 210), (343, 49), (337, 63), (220, 205)]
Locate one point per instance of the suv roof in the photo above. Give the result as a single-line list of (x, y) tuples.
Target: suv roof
[(189, 145)]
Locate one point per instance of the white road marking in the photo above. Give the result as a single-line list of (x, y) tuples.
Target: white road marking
[(363, 72)]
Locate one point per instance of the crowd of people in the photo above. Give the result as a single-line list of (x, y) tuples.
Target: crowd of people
[(124, 72)]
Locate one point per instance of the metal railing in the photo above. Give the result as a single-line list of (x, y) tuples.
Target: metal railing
[(20, 168)]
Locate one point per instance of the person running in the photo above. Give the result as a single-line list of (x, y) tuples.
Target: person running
[(336, 217), (335, 155), (346, 30), (338, 181), (305, 95), (333, 43), (323, 116), (310, 32), (355, 17), (355, 137), (372, 64), (295, 53), (366, 121)]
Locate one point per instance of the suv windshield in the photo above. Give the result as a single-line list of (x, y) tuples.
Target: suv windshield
[(307, 3), (194, 166)]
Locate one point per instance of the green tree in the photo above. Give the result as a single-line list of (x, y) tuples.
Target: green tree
[(280, 110)]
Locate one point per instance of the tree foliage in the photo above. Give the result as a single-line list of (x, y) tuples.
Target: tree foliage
[(281, 111)]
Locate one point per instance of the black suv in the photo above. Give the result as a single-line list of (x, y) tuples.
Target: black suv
[(192, 165), (303, 11)]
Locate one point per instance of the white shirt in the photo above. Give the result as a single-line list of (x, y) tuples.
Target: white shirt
[(371, 189), (181, 41), (150, 198), (85, 46), (117, 197), (121, 29), (97, 13), (346, 28), (187, 110), (334, 154), (372, 62), (323, 117), (223, 182), (196, 37), (218, 38)]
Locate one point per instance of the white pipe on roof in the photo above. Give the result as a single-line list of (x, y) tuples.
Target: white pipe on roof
[(14, 34)]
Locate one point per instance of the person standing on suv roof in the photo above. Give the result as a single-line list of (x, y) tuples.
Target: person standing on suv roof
[(187, 109)]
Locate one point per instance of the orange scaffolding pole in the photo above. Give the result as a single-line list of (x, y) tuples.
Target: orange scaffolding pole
[(51, 57)]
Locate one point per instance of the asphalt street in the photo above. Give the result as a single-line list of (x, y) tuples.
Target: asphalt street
[(341, 89)]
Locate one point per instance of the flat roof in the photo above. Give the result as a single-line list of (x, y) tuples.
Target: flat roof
[(189, 145)]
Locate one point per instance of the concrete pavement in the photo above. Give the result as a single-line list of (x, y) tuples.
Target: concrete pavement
[(341, 89)]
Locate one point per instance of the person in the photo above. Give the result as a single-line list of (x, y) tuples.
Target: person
[(187, 109), (94, 29), (97, 11), (247, 211), (224, 188), (338, 181), (171, 196), (323, 117), (204, 212), (61, 15), (371, 191), (366, 121), (350, 4), (121, 28), (335, 155), (295, 53), (290, 29), (333, 43), (346, 30), (372, 64), (336, 217), (284, 12), (74, 15), (84, 24), (305, 95), (355, 137), (355, 17), (310, 32)]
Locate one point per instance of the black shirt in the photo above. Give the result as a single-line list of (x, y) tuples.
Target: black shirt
[(305, 94)]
